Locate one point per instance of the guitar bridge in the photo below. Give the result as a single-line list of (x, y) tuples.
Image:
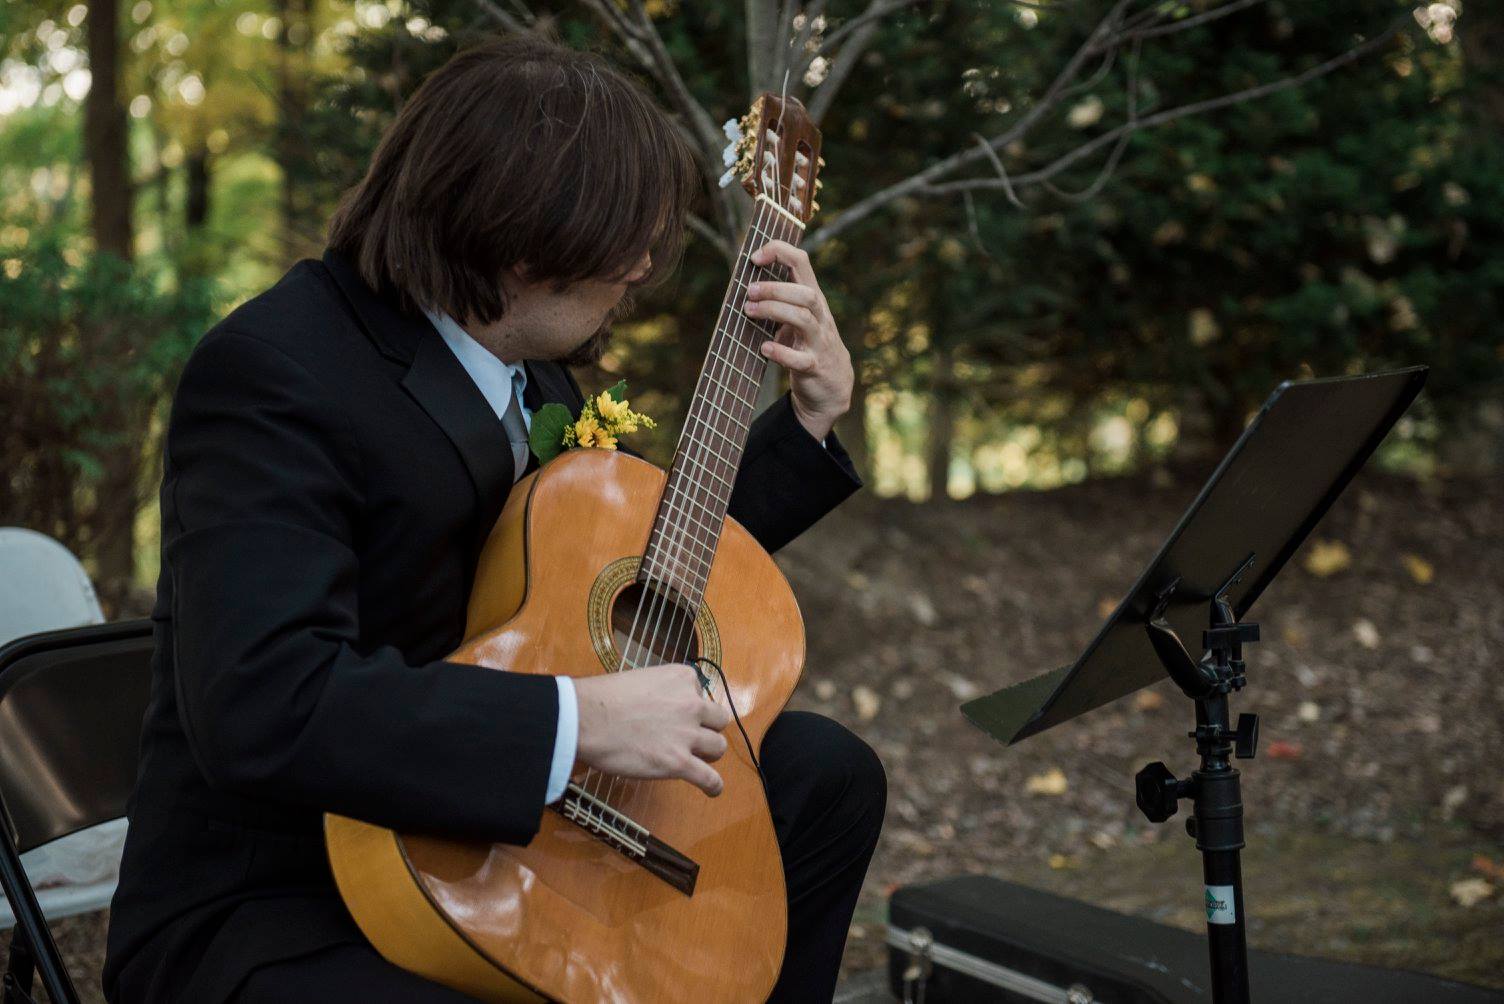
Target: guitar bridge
[(619, 832)]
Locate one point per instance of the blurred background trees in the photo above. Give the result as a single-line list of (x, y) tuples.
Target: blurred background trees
[(1063, 238)]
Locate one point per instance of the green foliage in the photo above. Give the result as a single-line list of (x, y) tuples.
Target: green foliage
[(89, 348)]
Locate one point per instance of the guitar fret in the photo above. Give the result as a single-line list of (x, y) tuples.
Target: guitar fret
[(736, 423), (751, 377)]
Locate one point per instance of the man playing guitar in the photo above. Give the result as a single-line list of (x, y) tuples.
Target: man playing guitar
[(337, 454)]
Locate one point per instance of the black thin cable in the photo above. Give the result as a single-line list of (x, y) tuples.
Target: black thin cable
[(705, 686)]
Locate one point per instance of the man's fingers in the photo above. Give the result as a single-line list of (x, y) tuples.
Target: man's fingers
[(796, 260), (708, 746), (713, 716), (790, 358), (789, 292), (703, 776), (787, 313)]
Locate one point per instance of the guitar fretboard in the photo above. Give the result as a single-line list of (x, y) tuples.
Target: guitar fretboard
[(693, 509)]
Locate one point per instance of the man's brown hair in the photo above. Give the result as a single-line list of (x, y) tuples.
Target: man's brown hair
[(519, 150)]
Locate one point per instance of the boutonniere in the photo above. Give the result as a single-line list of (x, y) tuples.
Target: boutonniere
[(605, 416)]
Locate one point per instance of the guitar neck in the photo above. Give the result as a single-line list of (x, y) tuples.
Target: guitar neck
[(692, 511)]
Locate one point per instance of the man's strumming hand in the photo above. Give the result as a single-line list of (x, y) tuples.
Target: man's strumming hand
[(651, 723)]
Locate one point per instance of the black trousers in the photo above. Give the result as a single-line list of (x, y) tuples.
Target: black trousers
[(827, 792)]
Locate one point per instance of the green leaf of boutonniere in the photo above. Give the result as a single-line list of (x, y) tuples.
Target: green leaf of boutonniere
[(546, 437), (619, 392)]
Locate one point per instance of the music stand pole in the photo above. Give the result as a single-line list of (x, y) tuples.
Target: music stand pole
[(1215, 787)]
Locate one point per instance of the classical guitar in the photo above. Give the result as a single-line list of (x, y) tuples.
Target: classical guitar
[(600, 562)]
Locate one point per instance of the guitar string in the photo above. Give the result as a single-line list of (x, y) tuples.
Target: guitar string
[(668, 514), (676, 520), (679, 648)]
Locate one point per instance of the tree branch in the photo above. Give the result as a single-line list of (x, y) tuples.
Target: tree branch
[(501, 17), (926, 183), (1064, 161), (712, 236), (1187, 23), (918, 183)]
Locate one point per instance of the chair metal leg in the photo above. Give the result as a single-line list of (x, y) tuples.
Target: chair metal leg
[(19, 970), (41, 949)]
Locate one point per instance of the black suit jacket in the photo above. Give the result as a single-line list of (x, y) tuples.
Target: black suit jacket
[(331, 472)]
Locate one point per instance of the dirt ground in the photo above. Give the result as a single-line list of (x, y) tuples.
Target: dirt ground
[(1378, 785), (1375, 806)]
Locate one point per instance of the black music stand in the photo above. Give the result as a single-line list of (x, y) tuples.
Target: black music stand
[(1283, 474)]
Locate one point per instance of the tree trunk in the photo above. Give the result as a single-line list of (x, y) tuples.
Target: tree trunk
[(292, 42), (196, 208), (113, 539), (853, 427), (942, 422), (104, 133)]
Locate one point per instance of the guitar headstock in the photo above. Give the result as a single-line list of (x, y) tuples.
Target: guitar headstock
[(775, 151)]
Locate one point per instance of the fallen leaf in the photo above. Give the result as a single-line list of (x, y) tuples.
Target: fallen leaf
[(866, 702), (1469, 892), (1051, 782), (1283, 749), (923, 610), (1366, 633), (961, 688), (1488, 866), (1148, 700), (1419, 568), (1327, 557), (1060, 862)]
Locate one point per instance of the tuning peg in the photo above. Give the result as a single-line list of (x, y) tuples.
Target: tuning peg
[(820, 161), (814, 207), (800, 159), (818, 184)]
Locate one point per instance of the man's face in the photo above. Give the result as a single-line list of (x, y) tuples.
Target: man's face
[(572, 326)]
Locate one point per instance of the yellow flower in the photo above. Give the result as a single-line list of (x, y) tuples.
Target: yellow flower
[(585, 429), (609, 409), (588, 432)]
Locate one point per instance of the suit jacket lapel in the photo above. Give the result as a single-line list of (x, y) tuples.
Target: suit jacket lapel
[(437, 382)]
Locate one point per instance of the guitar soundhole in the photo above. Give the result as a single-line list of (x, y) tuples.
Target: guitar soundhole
[(648, 627)]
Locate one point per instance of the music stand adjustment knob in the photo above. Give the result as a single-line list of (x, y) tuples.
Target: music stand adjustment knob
[(1158, 792)]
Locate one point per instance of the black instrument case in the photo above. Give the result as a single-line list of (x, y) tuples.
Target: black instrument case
[(976, 938)]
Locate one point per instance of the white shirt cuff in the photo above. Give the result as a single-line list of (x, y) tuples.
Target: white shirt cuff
[(566, 740)]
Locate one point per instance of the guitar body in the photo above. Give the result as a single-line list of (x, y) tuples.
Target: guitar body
[(569, 917)]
